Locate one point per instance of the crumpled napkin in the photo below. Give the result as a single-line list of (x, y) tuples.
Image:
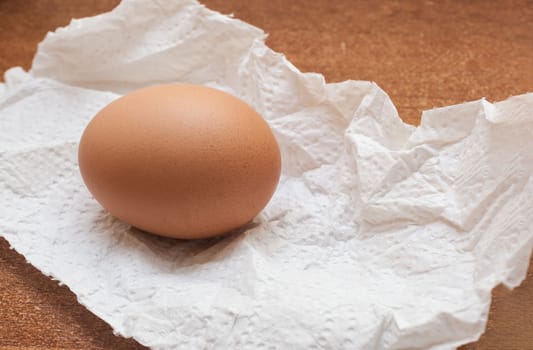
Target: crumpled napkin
[(380, 235)]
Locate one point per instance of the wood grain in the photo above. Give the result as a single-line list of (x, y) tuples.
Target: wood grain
[(423, 53)]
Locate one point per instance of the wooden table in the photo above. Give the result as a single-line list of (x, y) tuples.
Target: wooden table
[(423, 53)]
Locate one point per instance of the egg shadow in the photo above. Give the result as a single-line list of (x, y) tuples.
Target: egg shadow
[(187, 252)]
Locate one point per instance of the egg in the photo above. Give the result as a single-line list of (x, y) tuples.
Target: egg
[(179, 160)]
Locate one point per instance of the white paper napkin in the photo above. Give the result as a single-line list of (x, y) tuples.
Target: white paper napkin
[(380, 235)]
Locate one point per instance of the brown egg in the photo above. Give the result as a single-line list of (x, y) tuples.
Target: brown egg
[(181, 161)]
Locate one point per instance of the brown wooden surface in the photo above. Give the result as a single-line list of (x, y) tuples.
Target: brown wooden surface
[(423, 53)]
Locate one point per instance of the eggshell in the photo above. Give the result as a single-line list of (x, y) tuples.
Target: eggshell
[(180, 160)]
